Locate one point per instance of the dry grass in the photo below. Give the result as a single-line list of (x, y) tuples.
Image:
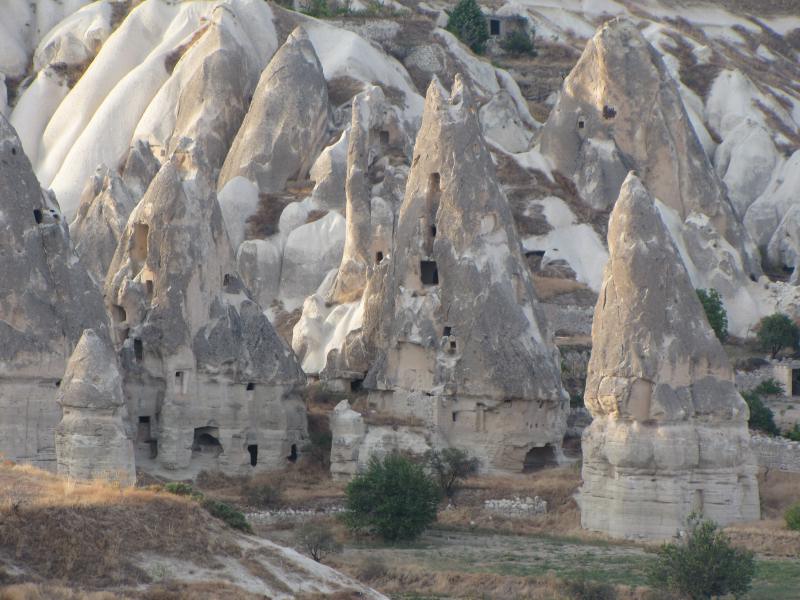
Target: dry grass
[(264, 222), (316, 215), (89, 532), (342, 89), (779, 490), (550, 287), (557, 486), (32, 591)]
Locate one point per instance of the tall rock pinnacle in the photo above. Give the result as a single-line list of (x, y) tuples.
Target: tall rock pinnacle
[(669, 434)]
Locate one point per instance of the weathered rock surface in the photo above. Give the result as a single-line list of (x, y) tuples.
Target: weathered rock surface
[(286, 123), (207, 379), (47, 299), (669, 434), (448, 327), (104, 208), (347, 433), (93, 440), (620, 109)]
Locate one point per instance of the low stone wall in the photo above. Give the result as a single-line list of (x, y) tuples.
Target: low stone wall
[(776, 453), (517, 507)]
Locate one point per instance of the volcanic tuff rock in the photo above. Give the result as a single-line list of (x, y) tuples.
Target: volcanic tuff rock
[(47, 299), (375, 130), (669, 434), (620, 109), (207, 377), (104, 208), (93, 439), (286, 123), (451, 325)]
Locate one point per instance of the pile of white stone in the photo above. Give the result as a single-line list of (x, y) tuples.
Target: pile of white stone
[(285, 515), (517, 507)]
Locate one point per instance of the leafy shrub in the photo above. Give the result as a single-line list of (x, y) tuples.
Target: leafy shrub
[(394, 498), (761, 416), (777, 332), (468, 24), (317, 8), (228, 514), (590, 590), (715, 312), (794, 433), (317, 540), (518, 42), (704, 565), (769, 387), (576, 401), (449, 467), (179, 488), (261, 495), (792, 516)]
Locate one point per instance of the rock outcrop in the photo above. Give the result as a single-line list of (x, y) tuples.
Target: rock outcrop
[(451, 333), (207, 379), (620, 109), (47, 299), (286, 123), (93, 440), (669, 434), (103, 212)]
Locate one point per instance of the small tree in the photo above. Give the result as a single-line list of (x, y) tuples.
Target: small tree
[(519, 42), (394, 498), (792, 517), (704, 565), (449, 467), (761, 417), (468, 24), (777, 332), (317, 540), (715, 312)]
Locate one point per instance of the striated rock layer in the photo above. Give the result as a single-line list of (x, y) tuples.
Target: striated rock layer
[(669, 434), (47, 299), (93, 440)]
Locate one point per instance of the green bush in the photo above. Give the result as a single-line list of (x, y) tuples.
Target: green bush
[(179, 488), (518, 43), (468, 24), (394, 498), (769, 387), (228, 514), (703, 565), (794, 433), (261, 495), (792, 517), (761, 417), (317, 540), (715, 312), (449, 467), (777, 332)]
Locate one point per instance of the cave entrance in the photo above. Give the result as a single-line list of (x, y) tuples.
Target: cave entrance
[(539, 458), (428, 272), (292, 454), (494, 26), (206, 441), (140, 234), (143, 429), (253, 450), (795, 382)]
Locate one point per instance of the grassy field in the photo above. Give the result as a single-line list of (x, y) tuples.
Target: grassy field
[(501, 557)]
